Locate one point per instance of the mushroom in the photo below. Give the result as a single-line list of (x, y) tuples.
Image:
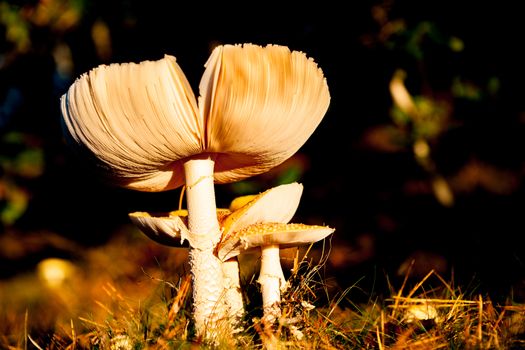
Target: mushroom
[(143, 129), (262, 223)]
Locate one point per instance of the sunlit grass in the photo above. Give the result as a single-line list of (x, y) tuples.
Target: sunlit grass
[(135, 294)]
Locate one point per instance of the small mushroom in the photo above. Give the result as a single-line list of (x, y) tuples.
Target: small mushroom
[(270, 237), (262, 223), (247, 210), (141, 126)]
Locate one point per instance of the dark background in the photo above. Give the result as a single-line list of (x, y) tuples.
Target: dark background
[(358, 168)]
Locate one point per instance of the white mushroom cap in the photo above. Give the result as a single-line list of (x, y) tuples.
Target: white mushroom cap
[(278, 205), (263, 221), (140, 122), (163, 229), (169, 229), (265, 234)]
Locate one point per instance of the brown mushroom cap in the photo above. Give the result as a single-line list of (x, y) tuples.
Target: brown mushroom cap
[(264, 234), (140, 122)]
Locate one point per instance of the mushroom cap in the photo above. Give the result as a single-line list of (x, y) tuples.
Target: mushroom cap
[(263, 221), (170, 229), (264, 234), (139, 122), (278, 204), (241, 201)]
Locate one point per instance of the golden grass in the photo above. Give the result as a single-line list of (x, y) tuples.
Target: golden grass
[(121, 300)]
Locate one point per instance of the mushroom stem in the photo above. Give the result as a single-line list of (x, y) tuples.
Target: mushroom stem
[(206, 269), (233, 295), (272, 283)]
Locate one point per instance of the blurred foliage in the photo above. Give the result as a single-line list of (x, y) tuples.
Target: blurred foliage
[(290, 171), (20, 19), (422, 117), (22, 154), (19, 161)]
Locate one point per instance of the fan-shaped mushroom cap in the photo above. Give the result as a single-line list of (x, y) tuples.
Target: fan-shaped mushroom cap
[(169, 229), (278, 204), (140, 122), (264, 234), (163, 229)]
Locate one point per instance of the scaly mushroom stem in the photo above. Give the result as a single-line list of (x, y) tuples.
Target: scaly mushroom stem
[(272, 283), (233, 295), (206, 269)]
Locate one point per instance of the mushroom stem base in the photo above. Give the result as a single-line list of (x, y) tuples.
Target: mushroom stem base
[(272, 283), (233, 295), (207, 284)]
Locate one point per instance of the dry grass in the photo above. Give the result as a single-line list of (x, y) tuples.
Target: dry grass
[(114, 300)]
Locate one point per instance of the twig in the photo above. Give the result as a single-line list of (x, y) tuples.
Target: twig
[(33, 342)]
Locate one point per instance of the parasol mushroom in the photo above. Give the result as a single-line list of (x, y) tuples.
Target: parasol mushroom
[(262, 223), (143, 129)]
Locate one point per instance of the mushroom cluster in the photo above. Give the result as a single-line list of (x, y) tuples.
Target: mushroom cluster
[(142, 128), (259, 222)]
